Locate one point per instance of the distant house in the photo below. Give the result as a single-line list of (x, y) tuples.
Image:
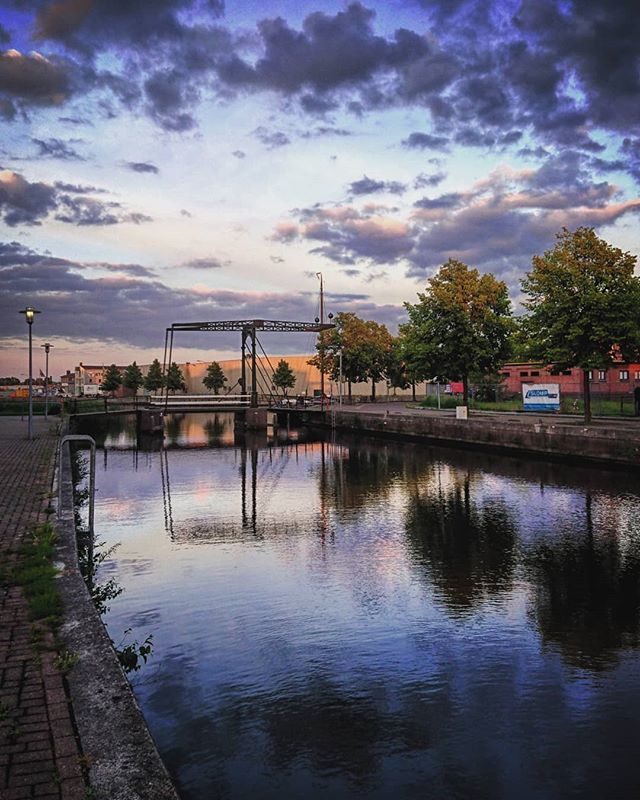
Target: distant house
[(88, 377), (614, 381)]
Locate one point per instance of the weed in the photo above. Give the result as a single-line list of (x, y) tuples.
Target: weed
[(66, 660), (36, 574)]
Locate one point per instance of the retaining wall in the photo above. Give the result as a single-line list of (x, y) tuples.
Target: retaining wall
[(546, 438)]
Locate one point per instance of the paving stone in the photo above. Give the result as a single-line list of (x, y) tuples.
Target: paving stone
[(31, 687)]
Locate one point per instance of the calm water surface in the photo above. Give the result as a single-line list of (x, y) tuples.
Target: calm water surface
[(372, 619)]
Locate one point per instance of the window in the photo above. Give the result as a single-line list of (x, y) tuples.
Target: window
[(602, 374), (590, 374), (624, 374), (524, 374), (636, 376), (554, 372), (535, 374), (508, 374), (566, 372)]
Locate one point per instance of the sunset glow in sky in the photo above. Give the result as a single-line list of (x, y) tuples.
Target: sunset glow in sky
[(183, 160)]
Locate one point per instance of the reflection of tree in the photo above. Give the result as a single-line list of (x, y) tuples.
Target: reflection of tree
[(587, 595), (173, 427), (215, 427), (365, 469), (467, 549)]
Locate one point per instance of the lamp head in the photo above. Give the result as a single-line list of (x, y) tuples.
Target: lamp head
[(46, 346), (29, 313)]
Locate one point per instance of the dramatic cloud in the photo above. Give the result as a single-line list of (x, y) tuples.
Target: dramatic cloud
[(142, 167), (26, 203), (56, 148), (33, 78), (424, 141), (369, 186), (497, 224), (202, 263), (128, 307), (271, 139)]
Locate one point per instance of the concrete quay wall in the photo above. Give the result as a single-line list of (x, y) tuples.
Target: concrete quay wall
[(569, 441)]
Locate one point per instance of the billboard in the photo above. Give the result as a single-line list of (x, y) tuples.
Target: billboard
[(541, 396)]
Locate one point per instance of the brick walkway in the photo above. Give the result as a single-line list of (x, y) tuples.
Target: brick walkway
[(39, 755)]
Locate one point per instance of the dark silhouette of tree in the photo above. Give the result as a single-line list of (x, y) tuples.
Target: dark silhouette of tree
[(132, 378), (284, 377), (175, 379), (215, 378), (154, 379), (112, 380)]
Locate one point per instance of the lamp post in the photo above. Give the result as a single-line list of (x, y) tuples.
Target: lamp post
[(29, 314), (340, 392), (47, 347)]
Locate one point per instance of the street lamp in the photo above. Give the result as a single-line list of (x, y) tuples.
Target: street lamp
[(29, 314), (47, 347)]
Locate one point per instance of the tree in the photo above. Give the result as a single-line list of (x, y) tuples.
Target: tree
[(584, 303), (132, 378), (284, 377), (175, 378), (112, 379), (10, 381), (215, 378), (154, 379), (365, 348), (461, 324)]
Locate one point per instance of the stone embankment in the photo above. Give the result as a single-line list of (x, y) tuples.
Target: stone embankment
[(70, 727), (610, 442)]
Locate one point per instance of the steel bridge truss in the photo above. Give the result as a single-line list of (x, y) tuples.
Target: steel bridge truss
[(247, 328)]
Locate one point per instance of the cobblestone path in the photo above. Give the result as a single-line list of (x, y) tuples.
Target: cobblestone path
[(39, 755)]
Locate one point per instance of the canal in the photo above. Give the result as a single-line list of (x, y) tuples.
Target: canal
[(361, 618)]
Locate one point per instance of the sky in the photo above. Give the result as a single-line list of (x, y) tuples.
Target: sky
[(192, 160)]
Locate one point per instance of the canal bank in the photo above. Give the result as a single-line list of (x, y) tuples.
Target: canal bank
[(605, 442), (70, 727)]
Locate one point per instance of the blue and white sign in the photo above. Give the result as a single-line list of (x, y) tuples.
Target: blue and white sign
[(541, 396)]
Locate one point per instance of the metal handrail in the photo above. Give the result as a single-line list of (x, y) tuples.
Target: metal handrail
[(80, 437)]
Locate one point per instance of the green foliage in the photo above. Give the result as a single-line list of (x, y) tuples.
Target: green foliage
[(284, 377), (10, 406), (462, 324), (112, 379), (36, 574), (132, 654), (366, 349), (215, 378), (583, 300), (10, 381), (66, 660), (154, 379), (132, 378), (175, 379)]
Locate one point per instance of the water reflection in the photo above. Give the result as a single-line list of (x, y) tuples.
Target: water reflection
[(465, 545), (587, 590), (355, 618)]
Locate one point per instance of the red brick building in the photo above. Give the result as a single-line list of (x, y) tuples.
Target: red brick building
[(615, 381)]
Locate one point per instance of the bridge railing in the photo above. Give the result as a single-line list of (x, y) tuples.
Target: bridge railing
[(208, 400)]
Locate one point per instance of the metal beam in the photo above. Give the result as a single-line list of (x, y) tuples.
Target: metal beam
[(277, 326)]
